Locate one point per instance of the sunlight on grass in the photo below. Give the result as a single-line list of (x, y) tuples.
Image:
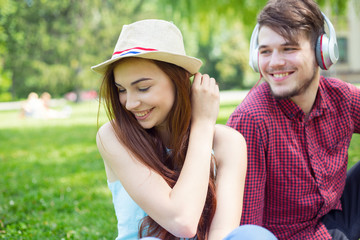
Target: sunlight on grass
[(53, 183)]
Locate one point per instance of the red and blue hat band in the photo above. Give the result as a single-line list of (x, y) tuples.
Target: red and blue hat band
[(134, 51)]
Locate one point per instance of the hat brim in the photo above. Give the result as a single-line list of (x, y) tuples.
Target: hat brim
[(190, 64)]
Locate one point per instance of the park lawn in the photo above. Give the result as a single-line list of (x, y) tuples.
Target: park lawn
[(53, 183)]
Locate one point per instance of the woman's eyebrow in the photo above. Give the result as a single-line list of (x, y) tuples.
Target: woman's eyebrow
[(134, 82), (117, 84), (140, 80)]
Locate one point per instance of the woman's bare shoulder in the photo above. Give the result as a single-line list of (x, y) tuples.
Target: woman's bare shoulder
[(229, 145), (107, 141), (106, 129), (226, 133)]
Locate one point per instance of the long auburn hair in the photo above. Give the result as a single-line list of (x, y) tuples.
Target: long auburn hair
[(147, 146)]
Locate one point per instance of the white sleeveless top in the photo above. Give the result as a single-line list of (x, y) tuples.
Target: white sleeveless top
[(128, 213)]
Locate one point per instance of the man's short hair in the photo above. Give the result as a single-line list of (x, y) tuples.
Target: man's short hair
[(289, 18)]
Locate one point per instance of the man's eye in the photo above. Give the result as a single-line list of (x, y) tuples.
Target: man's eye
[(264, 51)]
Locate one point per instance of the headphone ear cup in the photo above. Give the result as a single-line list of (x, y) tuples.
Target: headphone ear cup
[(326, 50), (322, 52), (318, 52)]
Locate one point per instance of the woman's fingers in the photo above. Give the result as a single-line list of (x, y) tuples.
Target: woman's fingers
[(205, 98)]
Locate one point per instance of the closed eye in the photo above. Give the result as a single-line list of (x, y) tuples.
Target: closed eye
[(121, 90), (144, 89)]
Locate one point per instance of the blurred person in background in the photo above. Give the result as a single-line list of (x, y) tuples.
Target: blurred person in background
[(32, 107), (39, 108)]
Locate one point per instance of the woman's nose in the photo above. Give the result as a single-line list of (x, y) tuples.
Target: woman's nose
[(132, 101)]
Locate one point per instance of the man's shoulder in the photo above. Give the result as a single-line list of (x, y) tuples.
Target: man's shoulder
[(258, 102), (333, 83), (257, 109), (335, 88)]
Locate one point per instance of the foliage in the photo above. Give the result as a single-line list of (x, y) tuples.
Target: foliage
[(50, 45), (205, 15), (222, 27), (5, 84)]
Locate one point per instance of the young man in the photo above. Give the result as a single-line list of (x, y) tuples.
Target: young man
[(298, 126)]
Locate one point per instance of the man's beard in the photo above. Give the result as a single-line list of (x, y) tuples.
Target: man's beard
[(298, 90)]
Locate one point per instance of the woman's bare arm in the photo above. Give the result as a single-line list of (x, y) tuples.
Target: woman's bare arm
[(230, 152)]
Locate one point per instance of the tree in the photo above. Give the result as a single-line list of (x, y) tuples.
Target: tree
[(218, 23), (50, 45)]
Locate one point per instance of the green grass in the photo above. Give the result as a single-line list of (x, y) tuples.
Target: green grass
[(53, 183)]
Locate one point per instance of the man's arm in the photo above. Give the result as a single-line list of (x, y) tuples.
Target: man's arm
[(254, 194), (355, 111)]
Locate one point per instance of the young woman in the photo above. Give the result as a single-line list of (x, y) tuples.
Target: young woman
[(172, 171)]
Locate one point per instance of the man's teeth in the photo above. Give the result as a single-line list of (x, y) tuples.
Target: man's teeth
[(279, 75)]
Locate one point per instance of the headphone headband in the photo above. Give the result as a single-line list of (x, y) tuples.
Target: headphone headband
[(254, 49)]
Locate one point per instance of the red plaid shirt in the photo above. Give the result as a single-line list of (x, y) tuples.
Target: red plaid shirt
[(297, 167)]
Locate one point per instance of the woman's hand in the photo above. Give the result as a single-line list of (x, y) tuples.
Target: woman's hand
[(205, 99)]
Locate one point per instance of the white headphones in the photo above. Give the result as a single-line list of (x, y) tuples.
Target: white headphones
[(326, 50)]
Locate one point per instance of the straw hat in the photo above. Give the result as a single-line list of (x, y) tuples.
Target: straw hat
[(152, 39)]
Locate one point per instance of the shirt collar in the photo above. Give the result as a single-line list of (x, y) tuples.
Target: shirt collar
[(289, 108), (293, 111)]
